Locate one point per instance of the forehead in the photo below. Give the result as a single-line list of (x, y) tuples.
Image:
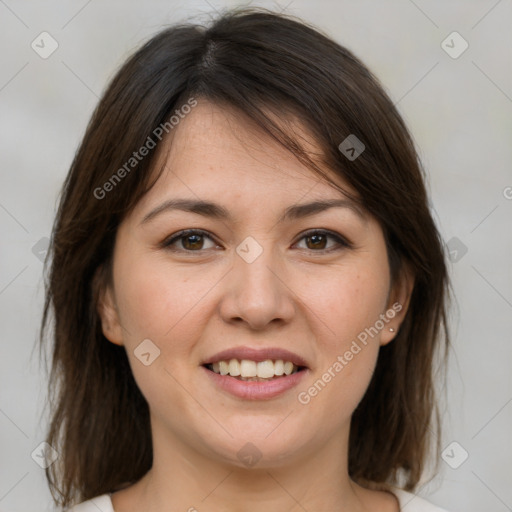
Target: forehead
[(217, 153)]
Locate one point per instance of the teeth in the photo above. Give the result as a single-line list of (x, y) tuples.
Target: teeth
[(265, 369), (279, 367), (248, 368), (288, 368), (234, 368), (223, 367), (251, 370)]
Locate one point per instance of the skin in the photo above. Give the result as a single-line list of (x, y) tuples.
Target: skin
[(194, 304)]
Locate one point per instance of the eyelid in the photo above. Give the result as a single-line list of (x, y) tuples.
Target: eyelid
[(341, 240), (182, 234)]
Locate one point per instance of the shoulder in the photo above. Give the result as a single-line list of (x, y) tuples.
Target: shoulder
[(101, 503), (411, 503)]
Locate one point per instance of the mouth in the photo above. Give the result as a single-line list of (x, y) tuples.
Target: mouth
[(250, 373), (254, 371)]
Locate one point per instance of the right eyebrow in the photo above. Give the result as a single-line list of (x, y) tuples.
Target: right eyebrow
[(204, 208)]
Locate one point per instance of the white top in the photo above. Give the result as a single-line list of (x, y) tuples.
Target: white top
[(408, 503)]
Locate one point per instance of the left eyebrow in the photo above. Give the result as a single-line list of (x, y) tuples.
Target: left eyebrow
[(213, 210), (304, 210)]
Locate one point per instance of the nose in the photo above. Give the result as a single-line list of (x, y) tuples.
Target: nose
[(257, 293)]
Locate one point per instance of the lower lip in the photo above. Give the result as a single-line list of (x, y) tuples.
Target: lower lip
[(254, 390)]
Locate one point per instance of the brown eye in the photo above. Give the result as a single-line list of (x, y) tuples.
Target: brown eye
[(191, 240), (317, 241)]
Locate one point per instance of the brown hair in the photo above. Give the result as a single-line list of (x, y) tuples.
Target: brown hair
[(257, 62)]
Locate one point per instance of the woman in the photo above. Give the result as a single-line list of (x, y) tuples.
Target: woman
[(248, 288)]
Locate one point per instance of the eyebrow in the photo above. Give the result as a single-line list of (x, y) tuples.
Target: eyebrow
[(216, 211)]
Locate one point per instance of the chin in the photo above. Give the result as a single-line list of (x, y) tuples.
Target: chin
[(259, 446)]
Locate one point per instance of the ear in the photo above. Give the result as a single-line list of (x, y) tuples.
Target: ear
[(398, 304), (107, 308)]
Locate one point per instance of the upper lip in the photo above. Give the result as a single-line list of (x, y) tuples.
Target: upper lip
[(256, 354)]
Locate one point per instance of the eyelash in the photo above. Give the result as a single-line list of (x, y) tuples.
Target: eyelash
[(343, 243)]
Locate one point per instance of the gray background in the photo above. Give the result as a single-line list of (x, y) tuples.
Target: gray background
[(459, 110)]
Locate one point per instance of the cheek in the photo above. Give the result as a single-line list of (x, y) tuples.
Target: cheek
[(156, 299), (350, 303), (142, 300), (162, 304), (170, 307), (345, 367), (363, 300), (349, 309)]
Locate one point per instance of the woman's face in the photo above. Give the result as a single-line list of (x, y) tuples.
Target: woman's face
[(261, 274)]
